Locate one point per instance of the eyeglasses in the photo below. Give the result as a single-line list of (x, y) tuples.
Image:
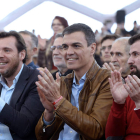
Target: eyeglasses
[(58, 47), (57, 24), (104, 47)]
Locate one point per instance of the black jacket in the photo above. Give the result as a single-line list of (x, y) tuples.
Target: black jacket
[(25, 108)]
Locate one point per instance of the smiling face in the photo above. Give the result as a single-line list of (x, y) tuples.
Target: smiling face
[(10, 59), (58, 58), (78, 56), (57, 26), (119, 57), (134, 60)]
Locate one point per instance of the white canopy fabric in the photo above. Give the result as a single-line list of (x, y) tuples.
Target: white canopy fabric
[(38, 14)]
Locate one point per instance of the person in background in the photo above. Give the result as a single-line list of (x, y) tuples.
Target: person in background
[(135, 29), (78, 107), (58, 58), (45, 54), (119, 56), (20, 107), (124, 118), (106, 44), (31, 42), (97, 53)]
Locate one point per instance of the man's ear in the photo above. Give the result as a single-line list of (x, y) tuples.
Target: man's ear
[(22, 55), (34, 50), (93, 48)]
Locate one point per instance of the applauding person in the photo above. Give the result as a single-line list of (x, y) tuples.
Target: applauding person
[(123, 121), (119, 56), (78, 108)]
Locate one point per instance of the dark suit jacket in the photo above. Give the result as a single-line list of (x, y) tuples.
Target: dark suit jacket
[(25, 108)]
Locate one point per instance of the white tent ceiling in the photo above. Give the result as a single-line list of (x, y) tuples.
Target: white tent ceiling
[(38, 14)]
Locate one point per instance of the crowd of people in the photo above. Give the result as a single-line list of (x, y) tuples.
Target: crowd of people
[(76, 85)]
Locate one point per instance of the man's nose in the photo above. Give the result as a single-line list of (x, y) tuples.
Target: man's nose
[(1, 53), (56, 51), (113, 58), (107, 50), (70, 51)]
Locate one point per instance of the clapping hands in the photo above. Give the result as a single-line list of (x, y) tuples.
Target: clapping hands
[(121, 91)]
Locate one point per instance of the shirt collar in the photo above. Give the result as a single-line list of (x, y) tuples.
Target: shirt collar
[(59, 73), (2, 80), (82, 79)]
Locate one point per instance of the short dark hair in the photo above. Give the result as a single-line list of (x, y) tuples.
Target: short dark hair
[(33, 37), (20, 43), (111, 37), (80, 27), (134, 38)]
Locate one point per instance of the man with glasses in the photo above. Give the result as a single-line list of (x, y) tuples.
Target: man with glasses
[(106, 44), (58, 58)]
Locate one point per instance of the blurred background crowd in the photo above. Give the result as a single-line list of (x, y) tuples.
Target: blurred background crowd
[(43, 56)]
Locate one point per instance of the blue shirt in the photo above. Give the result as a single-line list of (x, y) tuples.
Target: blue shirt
[(68, 133), (6, 94)]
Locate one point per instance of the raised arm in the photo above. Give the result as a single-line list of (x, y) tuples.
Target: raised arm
[(116, 124)]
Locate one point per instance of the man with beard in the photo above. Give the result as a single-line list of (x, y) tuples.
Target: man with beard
[(124, 118), (20, 107), (119, 56)]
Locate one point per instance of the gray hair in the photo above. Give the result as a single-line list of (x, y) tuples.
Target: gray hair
[(33, 37), (124, 42)]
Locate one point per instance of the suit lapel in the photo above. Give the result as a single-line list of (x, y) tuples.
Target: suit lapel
[(22, 81), (0, 88)]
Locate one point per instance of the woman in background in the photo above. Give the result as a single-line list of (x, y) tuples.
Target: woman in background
[(45, 54)]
